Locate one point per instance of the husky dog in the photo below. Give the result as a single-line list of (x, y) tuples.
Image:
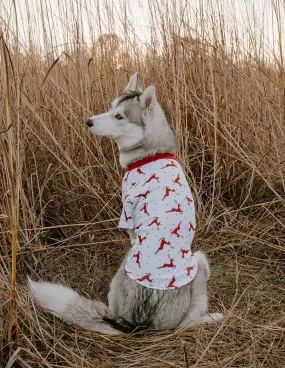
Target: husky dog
[(138, 125)]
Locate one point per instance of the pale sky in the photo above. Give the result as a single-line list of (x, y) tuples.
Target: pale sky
[(251, 19)]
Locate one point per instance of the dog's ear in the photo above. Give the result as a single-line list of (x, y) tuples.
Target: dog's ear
[(148, 98), (134, 84)]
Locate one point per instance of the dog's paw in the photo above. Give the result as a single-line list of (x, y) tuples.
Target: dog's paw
[(215, 317)]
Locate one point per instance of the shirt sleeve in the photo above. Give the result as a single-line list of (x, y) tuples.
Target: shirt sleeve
[(127, 216)]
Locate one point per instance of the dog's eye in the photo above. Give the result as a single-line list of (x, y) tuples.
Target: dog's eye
[(119, 117)]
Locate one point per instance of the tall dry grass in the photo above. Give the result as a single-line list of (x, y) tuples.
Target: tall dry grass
[(223, 92)]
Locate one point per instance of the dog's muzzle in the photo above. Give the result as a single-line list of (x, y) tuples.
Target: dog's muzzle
[(89, 122)]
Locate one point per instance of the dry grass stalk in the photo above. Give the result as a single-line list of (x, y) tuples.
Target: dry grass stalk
[(9, 161)]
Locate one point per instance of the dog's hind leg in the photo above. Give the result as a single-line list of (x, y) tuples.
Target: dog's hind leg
[(199, 300), (115, 300)]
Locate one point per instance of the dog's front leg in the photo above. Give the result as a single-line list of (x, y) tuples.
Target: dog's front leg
[(132, 236)]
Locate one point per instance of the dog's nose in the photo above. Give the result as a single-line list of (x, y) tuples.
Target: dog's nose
[(89, 122)]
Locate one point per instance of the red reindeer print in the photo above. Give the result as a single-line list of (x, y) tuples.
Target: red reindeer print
[(127, 196), (144, 209), (189, 269), (154, 222), (163, 242), (152, 177), (167, 191), (175, 231), (137, 256), (169, 165), (184, 251), (189, 200), (141, 239), (168, 265), (127, 177), (130, 202), (138, 226), (134, 184), (144, 195), (140, 172), (191, 227), (127, 217), (177, 180), (178, 209), (171, 284), (145, 277)]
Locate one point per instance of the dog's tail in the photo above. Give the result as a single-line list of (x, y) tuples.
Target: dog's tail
[(68, 305)]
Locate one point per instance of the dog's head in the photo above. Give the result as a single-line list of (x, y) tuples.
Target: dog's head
[(128, 120)]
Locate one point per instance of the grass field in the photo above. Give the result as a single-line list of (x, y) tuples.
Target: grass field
[(223, 93)]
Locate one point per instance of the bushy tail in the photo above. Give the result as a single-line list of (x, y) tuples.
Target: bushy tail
[(68, 305)]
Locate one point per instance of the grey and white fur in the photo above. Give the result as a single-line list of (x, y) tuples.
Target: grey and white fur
[(137, 123)]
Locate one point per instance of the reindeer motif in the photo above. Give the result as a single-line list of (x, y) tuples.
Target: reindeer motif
[(191, 227), (154, 222), (184, 251), (167, 191), (145, 277), (141, 239), (175, 231), (189, 200), (169, 165), (127, 177), (189, 269), (127, 218), (177, 180), (178, 209), (137, 257), (168, 265), (140, 172), (171, 284), (163, 242), (152, 177), (144, 195), (144, 209)]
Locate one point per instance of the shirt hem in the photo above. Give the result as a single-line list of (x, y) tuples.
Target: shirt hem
[(126, 227), (165, 288)]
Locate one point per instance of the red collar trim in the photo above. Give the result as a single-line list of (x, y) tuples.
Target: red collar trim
[(147, 160)]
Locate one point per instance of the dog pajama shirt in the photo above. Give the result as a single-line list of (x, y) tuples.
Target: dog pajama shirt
[(158, 205)]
